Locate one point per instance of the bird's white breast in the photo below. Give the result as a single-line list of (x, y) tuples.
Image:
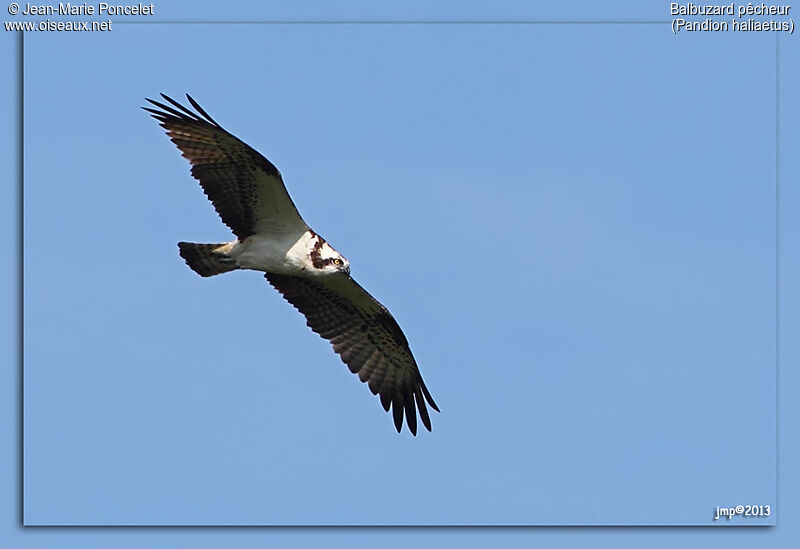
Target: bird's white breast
[(284, 254)]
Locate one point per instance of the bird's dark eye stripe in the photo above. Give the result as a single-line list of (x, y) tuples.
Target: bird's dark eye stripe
[(333, 260)]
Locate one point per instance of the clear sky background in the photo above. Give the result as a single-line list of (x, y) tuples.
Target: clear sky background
[(575, 225)]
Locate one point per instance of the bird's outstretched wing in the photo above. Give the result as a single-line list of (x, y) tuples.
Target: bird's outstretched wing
[(366, 337), (246, 189)]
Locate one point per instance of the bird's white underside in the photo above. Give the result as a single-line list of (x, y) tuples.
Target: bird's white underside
[(287, 253)]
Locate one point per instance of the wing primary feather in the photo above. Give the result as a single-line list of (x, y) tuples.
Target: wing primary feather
[(153, 111), (158, 115), (428, 396), (190, 114), (397, 411), (423, 410), (168, 109), (386, 401), (411, 414), (200, 109)]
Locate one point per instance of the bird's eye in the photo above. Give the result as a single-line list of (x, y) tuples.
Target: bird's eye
[(337, 261)]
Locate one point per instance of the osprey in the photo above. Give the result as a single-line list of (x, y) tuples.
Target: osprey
[(248, 193)]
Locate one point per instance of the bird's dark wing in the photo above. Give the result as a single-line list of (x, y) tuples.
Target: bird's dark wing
[(246, 189), (366, 337)]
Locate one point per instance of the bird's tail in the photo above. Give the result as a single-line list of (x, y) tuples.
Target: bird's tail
[(207, 259)]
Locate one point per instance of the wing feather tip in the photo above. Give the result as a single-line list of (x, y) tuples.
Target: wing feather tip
[(397, 412), (428, 396), (386, 401), (200, 109), (423, 410), (411, 414)]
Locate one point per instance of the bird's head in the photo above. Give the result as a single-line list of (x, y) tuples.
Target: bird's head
[(326, 260)]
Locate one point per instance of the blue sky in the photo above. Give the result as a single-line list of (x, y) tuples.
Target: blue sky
[(574, 225)]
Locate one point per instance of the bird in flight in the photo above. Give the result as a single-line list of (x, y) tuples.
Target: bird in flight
[(248, 193)]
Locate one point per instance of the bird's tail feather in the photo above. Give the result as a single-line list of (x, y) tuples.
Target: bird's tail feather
[(207, 259)]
